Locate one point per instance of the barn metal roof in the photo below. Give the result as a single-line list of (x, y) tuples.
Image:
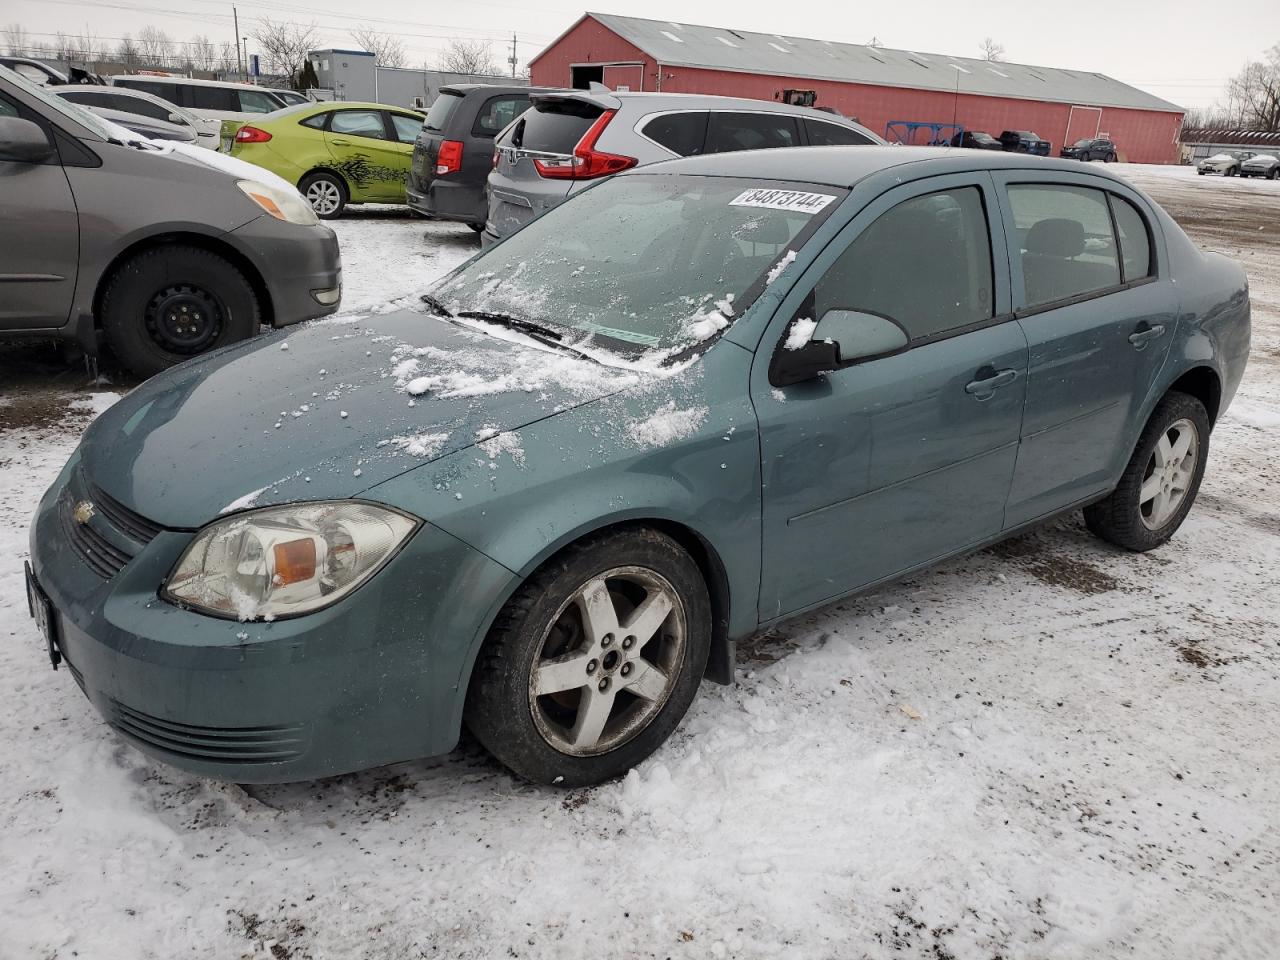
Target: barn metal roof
[(1230, 136), (716, 48)]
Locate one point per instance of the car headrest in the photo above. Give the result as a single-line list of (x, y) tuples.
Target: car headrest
[(1056, 237)]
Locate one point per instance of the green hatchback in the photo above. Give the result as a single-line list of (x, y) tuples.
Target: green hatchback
[(336, 153), (692, 401)]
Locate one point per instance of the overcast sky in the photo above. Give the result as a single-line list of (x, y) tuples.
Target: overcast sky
[(1182, 50)]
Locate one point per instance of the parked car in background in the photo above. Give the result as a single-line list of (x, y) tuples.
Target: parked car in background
[(1024, 141), (35, 71), (146, 127), (1221, 163), (162, 252), (216, 99), (336, 153), (454, 151), (1261, 165), (122, 100), (976, 140), (1091, 148), (290, 98), (937, 331), (568, 140)]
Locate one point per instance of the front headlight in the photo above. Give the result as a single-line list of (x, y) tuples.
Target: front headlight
[(285, 561), (286, 205)]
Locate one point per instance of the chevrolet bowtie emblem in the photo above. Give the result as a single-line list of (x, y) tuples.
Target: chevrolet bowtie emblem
[(83, 511)]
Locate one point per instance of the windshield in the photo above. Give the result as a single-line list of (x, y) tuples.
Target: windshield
[(1084, 143), (60, 105), (644, 261)]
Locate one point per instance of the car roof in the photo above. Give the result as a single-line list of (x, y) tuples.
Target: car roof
[(186, 81), (845, 166)]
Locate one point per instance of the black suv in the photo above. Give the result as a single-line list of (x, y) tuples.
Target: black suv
[(1091, 148), (454, 151), (1024, 141), (976, 140)]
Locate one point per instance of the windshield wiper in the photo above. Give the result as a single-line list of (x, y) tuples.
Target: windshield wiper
[(513, 323), (435, 305)]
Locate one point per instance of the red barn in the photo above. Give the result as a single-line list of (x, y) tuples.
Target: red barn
[(873, 84)]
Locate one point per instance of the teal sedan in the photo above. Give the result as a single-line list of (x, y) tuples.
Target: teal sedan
[(694, 400)]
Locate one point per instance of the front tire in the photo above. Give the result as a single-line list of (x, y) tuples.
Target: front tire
[(594, 661), (326, 192), (1160, 483), (168, 304)]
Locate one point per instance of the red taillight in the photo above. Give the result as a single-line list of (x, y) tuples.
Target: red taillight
[(449, 159), (587, 162), (252, 135)]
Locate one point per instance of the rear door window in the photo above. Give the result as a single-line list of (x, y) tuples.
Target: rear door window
[(497, 113), (143, 108), (358, 123), (729, 131), (681, 133), (1065, 241), (253, 101), (553, 126), (406, 127), (823, 134), (440, 110), (94, 98)]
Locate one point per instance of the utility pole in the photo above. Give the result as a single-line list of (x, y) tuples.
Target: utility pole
[(235, 17), (512, 59)]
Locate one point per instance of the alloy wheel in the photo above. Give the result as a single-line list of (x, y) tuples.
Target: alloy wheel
[(1169, 474), (608, 662), (324, 196)]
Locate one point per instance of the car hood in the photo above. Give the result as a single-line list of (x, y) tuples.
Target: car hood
[(326, 411)]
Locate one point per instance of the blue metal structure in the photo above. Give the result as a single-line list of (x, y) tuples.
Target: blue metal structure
[(904, 131)]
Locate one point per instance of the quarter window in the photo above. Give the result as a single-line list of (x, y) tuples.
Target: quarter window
[(926, 263), (316, 122), (406, 127), (681, 133), (1065, 239), (1135, 240), (358, 123), (728, 131), (823, 134)]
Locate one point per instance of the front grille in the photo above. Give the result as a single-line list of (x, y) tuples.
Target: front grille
[(132, 525), (217, 744), (103, 557)]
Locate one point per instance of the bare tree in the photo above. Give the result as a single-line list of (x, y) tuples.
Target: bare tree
[(468, 56), (127, 51), (228, 57), (15, 38), (992, 52), (285, 45), (387, 49), (155, 49), (203, 53), (1254, 93), (89, 48)]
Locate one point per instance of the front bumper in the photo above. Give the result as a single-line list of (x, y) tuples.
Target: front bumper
[(374, 679), (300, 266)]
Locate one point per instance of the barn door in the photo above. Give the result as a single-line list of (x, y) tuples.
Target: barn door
[(1082, 122)]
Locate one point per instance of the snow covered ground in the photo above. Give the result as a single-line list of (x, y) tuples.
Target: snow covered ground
[(1049, 749)]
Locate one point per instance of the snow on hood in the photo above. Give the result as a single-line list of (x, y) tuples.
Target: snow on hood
[(328, 410)]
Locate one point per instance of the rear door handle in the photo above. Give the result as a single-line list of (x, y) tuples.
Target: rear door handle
[(990, 381), (1145, 333), (340, 143)]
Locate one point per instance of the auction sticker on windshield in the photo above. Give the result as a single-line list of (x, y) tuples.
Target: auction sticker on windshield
[(782, 200)]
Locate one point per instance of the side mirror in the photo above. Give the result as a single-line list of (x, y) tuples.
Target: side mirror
[(841, 338), (22, 141)]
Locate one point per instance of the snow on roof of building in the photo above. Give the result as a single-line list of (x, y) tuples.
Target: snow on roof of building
[(716, 48)]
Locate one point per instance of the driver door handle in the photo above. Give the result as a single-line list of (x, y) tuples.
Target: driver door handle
[(989, 382), (1145, 333)]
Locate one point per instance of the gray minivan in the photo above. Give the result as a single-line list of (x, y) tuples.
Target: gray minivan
[(571, 139), (162, 252)]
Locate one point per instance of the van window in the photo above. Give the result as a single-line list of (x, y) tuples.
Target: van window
[(440, 110), (165, 91), (1065, 239), (926, 263), (497, 113), (210, 98), (682, 133), (823, 134), (255, 101), (1135, 239), (729, 131)]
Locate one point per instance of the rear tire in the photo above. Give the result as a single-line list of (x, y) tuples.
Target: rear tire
[(594, 661), (326, 192), (1158, 486), (171, 303), (477, 227)]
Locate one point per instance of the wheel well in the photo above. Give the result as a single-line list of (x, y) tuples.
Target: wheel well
[(1203, 384), (224, 250), (346, 187)]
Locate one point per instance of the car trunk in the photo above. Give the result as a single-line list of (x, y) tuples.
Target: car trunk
[(426, 150)]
